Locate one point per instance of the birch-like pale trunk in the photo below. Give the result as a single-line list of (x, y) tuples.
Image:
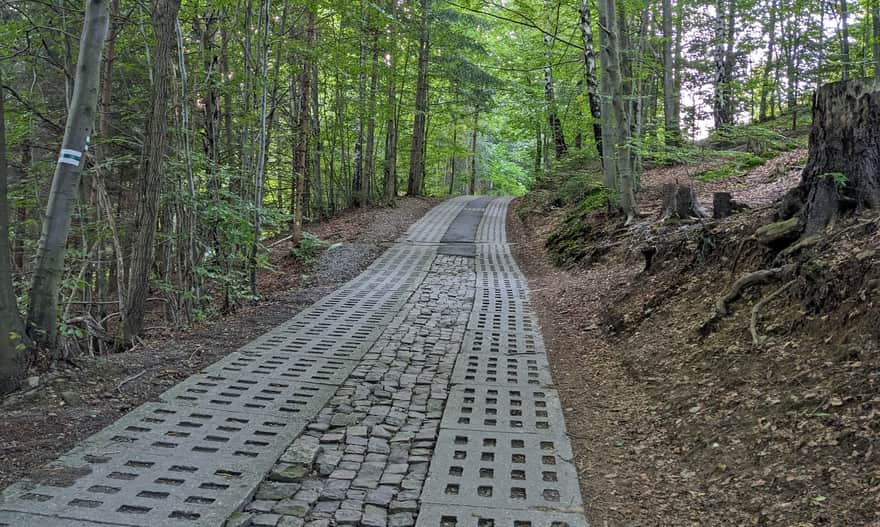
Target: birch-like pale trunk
[(43, 308), (586, 26)]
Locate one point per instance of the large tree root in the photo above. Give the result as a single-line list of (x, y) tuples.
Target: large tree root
[(756, 278), (752, 279), (756, 310)]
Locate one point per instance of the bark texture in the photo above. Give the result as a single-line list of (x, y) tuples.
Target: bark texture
[(11, 359), (151, 166), (843, 169), (42, 311)]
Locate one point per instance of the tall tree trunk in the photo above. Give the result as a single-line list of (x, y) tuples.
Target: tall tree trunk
[(454, 145), (11, 326), (417, 157), (473, 182), (357, 183), (553, 121), (259, 176), (722, 100), (844, 40), (152, 166), (875, 35), (586, 25), (213, 80), (616, 124), (768, 65), (670, 119), (42, 311), (370, 154), (301, 154), (389, 186), (315, 135)]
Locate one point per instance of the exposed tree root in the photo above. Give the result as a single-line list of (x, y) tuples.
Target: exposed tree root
[(756, 310), (752, 279), (756, 278)]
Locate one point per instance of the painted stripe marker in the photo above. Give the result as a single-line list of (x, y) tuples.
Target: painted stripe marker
[(70, 157)]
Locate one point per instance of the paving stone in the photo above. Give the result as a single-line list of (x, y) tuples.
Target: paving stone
[(236, 519), (347, 517), (374, 516), (266, 520), (271, 490), (292, 507), (401, 519), (291, 521)]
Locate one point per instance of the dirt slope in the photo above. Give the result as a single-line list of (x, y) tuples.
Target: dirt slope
[(679, 422)]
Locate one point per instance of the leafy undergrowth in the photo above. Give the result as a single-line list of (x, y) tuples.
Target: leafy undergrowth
[(677, 415)]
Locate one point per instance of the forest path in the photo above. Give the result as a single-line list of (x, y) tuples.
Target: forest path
[(416, 394)]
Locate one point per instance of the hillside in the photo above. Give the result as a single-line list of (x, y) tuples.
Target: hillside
[(680, 416)]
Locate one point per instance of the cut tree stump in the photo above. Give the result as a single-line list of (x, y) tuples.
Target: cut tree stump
[(842, 175), (680, 202)]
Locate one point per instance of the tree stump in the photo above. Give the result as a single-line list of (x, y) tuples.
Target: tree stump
[(680, 202), (842, 175), (722, 205)]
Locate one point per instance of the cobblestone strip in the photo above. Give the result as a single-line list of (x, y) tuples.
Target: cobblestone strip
[(364, 458), (198, 453), (502, 456)]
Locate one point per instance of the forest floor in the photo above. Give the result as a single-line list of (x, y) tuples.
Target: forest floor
[(676, 422), (72, 403)]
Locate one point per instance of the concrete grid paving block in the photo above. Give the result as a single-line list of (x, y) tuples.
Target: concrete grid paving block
[(503, 471), (498, 369), (480, 342), (514, 409), (18, 519), (293, 400), (287, 366), (134, 488), (318, 348), (165, 430), (458, 516)]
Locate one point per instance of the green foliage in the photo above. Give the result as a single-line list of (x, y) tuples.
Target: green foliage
[(838, 178), (733, 164), (308, 249)]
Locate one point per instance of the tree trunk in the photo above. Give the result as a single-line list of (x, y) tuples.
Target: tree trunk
[(152, 166), (670, 119), (844, 40), (301, 154), (473, 183), (618, 164), (586, 25), (843, 169), (357, 183), (722, 100), (42, 311), (389, 185), (370, 154), (417, 157), (875, 35), (765, 76), (11, 326)]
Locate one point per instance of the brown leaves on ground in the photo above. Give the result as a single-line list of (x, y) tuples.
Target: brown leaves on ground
[(674, 429)]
